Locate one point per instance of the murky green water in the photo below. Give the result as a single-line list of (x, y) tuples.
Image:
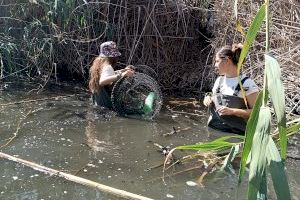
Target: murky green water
[(69, 135)]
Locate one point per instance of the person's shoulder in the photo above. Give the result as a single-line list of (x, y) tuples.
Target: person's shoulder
[(249, 81), (107, 67), (250, 86), (216, 84), (219, 78), (218, 81)]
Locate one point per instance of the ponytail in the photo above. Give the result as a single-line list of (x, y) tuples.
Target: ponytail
[(232, 52), (236, 52)]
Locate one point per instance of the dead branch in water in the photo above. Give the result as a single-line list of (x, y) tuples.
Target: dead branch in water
[(75, 179)]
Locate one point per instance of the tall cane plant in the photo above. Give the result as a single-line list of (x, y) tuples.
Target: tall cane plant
[(259, 146)]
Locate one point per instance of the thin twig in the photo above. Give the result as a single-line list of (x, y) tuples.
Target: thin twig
[(15, 134)]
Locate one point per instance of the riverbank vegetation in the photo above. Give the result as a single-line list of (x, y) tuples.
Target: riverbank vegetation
[(59, 39)]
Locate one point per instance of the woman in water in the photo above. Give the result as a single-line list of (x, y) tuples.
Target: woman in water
[(229, 111), (103, 75)]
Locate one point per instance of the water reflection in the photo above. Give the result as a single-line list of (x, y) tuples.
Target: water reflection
[(96, 139)]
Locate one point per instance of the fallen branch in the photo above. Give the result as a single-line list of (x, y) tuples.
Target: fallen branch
[(76, 179)]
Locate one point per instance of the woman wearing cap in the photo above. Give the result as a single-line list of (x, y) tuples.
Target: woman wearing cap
[(228, 110), (102, 74)]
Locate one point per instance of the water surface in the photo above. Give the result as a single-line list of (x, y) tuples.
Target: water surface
[(68, 134)]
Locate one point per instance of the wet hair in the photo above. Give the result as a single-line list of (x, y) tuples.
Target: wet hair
[(232, 52), (95, 71)]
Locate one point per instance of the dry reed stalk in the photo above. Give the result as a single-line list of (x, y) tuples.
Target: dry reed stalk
[(76, 179)]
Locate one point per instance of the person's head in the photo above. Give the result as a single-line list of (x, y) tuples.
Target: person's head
[(108, 55), (227, 58)]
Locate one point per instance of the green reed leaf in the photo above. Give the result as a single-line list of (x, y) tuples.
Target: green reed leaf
[(210, 146), (230, 157), (276, 168), (258, 163), (250, 130), (215, 145), (292, 129), (251, 34), (261, 193), (276, 90)]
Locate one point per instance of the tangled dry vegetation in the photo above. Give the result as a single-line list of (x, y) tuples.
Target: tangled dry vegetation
[(62, 39), (59, 39), (284, 41)]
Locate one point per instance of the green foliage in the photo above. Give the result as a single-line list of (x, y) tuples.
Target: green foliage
[(251, 34), (293, 127), (250, 131), (263, 148), (231, 156), (276, 90), (37, 32), (219, 144), (277, 171), (258, 163)]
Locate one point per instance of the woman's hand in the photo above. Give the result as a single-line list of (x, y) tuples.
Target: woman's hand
[(223, 110), (207, 101), (128, 73), (131, 67)]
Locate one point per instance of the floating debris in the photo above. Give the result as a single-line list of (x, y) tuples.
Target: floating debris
[(170, 196), (91, 165), (191, 183)]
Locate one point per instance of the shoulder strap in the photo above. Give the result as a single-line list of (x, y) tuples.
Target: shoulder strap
[(238, 87)]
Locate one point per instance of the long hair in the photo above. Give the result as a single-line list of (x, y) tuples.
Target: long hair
[(95, 72)]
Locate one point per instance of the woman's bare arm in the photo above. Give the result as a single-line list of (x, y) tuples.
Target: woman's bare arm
[(108, 80)]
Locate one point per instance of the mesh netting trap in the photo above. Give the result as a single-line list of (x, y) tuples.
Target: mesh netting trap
[(139, 95)]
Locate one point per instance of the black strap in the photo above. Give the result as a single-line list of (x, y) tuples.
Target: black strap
[(238, 87)]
